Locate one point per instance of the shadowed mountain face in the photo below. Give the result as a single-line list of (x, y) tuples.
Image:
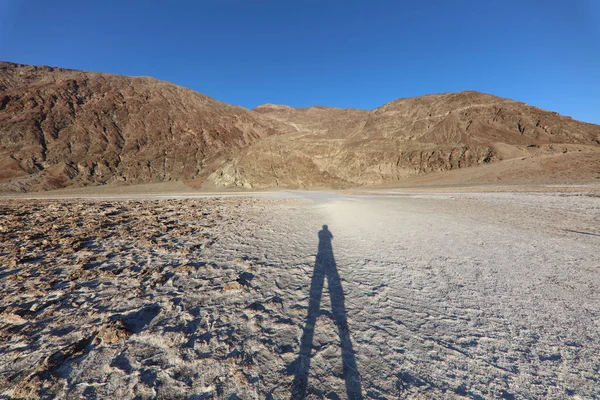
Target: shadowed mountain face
[(63, 128)]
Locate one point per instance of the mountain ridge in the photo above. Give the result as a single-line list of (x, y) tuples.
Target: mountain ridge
[(62, 127)]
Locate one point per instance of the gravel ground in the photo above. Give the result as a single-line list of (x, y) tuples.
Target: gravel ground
[(489, 295)]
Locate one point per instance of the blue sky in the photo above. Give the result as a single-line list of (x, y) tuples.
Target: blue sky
[(342, 53)]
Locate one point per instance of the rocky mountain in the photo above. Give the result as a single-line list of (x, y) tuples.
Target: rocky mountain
[(63, 127), (403, 139)]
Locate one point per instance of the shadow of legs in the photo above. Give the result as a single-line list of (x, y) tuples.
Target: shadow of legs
[(325, 267)]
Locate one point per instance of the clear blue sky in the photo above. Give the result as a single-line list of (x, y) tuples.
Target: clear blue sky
[(342, 53)]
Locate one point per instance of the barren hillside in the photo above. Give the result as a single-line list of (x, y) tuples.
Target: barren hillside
[(414, 137), (63, 128)]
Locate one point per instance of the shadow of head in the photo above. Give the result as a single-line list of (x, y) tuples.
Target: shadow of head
[(325, 236)]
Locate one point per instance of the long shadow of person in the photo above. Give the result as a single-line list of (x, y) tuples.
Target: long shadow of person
[(325, 267)]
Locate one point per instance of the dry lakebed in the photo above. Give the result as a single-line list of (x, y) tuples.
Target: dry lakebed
[(302, 295)]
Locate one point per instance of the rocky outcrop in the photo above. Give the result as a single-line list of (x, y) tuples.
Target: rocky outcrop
[(306, 163)]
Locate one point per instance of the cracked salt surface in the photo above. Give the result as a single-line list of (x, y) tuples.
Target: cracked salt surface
[(468, 295)]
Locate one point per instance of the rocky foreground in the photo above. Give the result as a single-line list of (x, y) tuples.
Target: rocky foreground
[(422, 296)]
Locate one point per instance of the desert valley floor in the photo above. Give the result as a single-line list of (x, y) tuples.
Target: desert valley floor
[(401, 295)]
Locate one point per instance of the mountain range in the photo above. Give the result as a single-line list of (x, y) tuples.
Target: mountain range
[(68, 128)]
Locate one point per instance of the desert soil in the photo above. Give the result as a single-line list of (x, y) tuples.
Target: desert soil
[(447, 295)]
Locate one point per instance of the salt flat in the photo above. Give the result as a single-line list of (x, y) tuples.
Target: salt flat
[(402, 295)]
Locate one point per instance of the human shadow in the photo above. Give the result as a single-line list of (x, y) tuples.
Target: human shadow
[(325, 267)]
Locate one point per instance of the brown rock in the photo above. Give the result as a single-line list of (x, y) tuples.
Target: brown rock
[(62, 128), (112, 333)]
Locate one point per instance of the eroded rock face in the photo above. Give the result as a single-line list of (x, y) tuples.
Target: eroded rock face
[(404, 138), (63, 128), (316, 162)]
